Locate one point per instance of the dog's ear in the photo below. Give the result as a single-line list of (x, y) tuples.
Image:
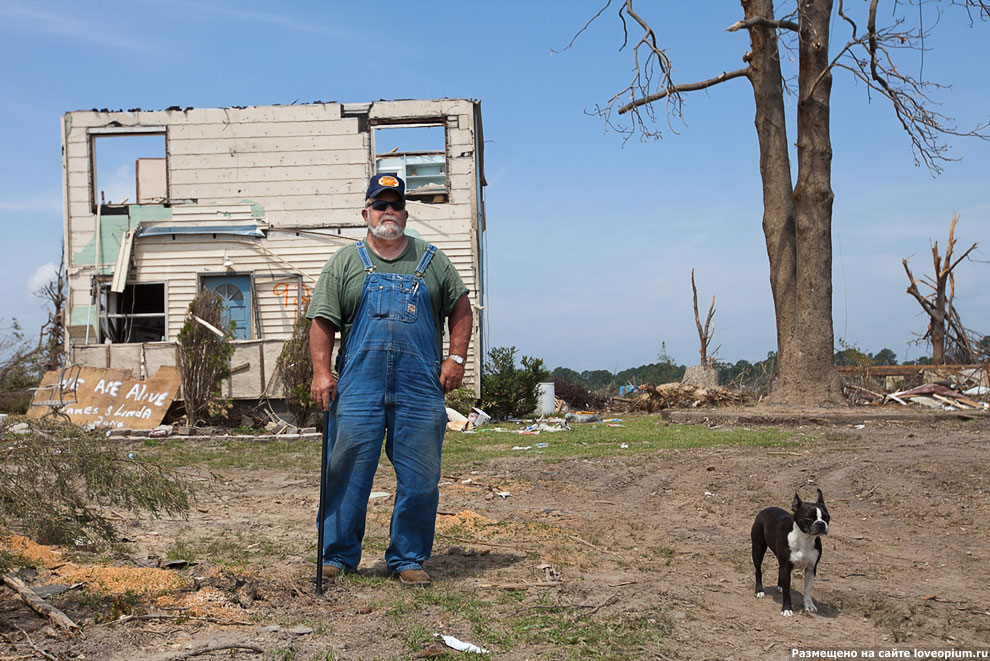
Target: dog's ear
[(796, 503), (821, 498)]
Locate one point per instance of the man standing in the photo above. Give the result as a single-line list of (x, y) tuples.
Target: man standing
[(387, 296)]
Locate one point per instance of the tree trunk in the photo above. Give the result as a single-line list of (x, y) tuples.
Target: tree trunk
[(797, 220)]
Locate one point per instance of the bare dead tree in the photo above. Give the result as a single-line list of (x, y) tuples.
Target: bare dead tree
[(706, 332), (945, 331), (52, 337), (797, 216)]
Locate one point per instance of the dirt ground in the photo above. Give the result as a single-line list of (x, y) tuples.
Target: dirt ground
[(652, 550)]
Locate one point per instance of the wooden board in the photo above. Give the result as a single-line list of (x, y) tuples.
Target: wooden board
[(112, 398)]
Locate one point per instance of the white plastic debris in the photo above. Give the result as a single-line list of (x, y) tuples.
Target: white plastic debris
[(378, 494), (460, 645), (522, 447)]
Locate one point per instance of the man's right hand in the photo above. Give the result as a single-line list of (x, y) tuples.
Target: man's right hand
[(323, 390)]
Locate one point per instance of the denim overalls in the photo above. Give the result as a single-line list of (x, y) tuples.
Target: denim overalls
[(389, 387)]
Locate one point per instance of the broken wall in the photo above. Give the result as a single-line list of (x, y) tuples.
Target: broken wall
[(257, 196)]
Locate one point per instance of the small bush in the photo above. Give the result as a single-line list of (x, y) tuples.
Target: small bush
[(461, 400), (295, 372), (506, 390), (204, 358)]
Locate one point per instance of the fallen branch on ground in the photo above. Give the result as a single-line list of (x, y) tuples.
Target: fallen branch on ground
[(38, 604)]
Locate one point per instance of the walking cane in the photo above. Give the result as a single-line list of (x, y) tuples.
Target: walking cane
[(319, 508)]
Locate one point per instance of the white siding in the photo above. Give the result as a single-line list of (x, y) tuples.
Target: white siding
[(299, 171)]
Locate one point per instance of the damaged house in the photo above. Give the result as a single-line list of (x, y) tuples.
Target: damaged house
[(249, 202)]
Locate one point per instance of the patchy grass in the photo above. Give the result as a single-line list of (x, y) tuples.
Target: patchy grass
[(216, 454), (500, 623), (237, 550), (638, 434)]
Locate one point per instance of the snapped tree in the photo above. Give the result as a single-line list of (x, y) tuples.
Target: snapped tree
[(797, 216), (948, 336)]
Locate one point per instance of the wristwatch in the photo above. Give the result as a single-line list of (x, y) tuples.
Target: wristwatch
[(457, 359)]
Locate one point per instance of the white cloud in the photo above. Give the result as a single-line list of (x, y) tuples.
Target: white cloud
[(19, 17), (41, 276)]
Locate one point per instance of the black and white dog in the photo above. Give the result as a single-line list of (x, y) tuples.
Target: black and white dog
[(794, 539)]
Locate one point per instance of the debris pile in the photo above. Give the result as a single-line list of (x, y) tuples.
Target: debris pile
[(944, 387), (682, 395), (937, 396)]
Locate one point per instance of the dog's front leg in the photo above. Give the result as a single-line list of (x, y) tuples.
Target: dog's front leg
[(809, 580), (784, 583)]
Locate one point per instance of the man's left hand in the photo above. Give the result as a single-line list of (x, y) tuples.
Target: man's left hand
[(451, 375)]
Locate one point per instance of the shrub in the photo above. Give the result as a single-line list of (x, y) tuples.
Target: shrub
[(295, 372), (461, 400), (204, 358), (506, 390)]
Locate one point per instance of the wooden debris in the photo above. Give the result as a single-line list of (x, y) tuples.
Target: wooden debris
[(37, 604), (683, 395)]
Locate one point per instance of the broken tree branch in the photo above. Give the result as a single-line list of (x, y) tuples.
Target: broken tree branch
[(763, 22), (38, 604), (37, 650), (687, 87)]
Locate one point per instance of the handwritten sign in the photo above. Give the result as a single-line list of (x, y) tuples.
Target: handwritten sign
[(110, 398), (289, 293)]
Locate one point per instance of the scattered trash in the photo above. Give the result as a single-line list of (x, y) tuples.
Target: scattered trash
[(615, 424), (527, 431), (542, 445), (559, 425), (456, 421), (478, 418), (523, 447), (629, 390), (582, 416), (378, 494), (161, 431), (859, 426), (624, 446), (460, 645), (613, 420)]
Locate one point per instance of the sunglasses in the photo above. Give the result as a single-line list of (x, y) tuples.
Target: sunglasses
[(382, 205)]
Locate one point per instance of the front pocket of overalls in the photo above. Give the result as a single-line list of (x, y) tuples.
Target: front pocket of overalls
[(394, 299)]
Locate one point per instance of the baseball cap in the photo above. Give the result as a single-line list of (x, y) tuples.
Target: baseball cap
[(385, 181)]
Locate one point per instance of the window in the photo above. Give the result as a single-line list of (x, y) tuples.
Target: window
[(129, 168), (418, 154), (135, 315)]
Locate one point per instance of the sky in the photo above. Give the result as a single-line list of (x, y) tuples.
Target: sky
[(590, 238)]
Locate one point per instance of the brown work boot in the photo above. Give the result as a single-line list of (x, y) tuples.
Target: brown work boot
[(414, 577), (331, 571)]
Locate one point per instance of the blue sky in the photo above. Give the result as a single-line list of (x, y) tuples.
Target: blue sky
[(590, 240)]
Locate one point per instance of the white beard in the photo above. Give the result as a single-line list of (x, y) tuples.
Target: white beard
[(389, 232)]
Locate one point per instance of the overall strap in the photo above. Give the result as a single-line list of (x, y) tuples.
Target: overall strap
[(425, 261), (362, 252)]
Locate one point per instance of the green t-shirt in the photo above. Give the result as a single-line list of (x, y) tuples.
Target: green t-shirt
[(338, 290)]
